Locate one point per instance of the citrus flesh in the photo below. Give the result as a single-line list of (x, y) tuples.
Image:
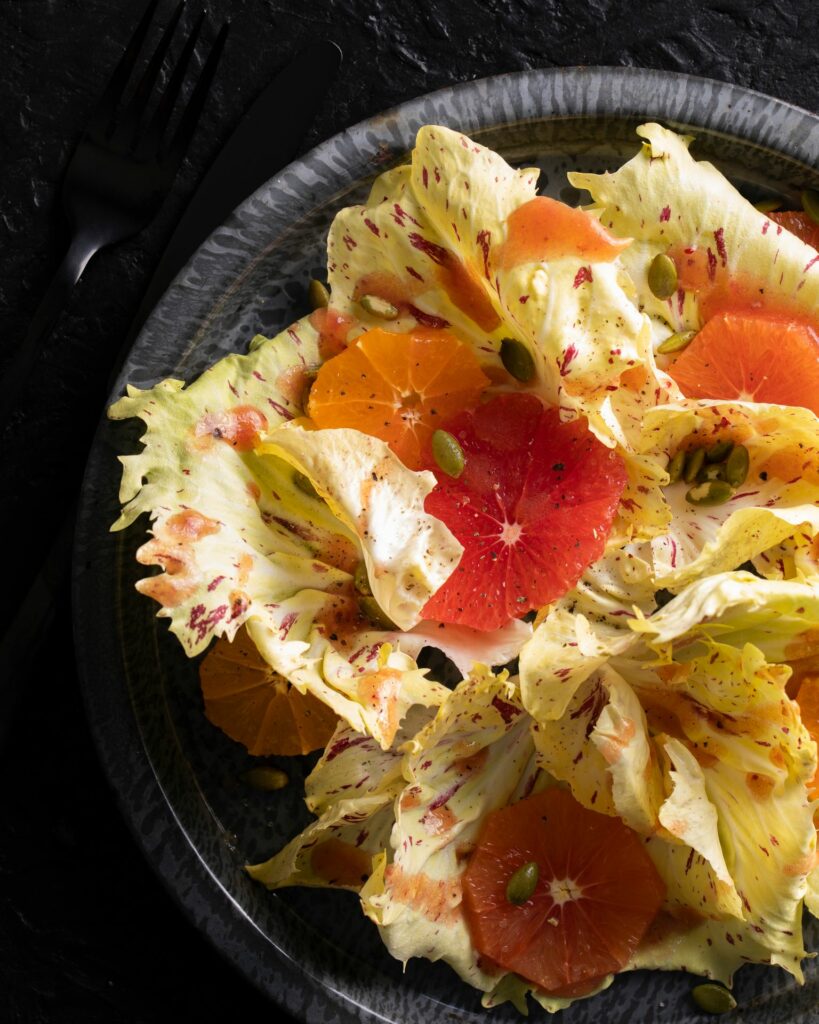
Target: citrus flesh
[(258, 708), (398, 387), (532, 508), (799, 224), (751, 358), (597, 892)]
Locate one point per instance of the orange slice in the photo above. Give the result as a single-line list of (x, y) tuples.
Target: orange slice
[(754, 358), (399, 387), (597, 892), (255, 706)]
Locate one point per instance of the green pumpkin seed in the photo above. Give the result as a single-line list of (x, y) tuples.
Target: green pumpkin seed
[(714, 471), (713, 998), (448, 453), (376, 306), (693, 464), (362, 580), (662, 276), (517, 359), (810, 204), (372, 610), (719, 451), (768, 205), (675, 466), (266, 777), (522, 883), (736, 466), (676, 342), (317, 294), (712, 492), (305, 485)]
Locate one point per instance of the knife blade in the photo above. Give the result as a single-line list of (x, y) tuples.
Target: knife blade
[(263, 142)]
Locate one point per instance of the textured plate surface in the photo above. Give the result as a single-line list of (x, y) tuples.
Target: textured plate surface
[(176, 776)]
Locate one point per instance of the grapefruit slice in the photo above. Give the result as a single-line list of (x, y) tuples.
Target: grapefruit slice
[(753, 358), (532, 508), (246, 699), (399, 387), (596, 895)]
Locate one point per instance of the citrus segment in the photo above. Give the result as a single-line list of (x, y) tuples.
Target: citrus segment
[(597, 892), (399, 387), (255, 706), (544, 229), (533, 508), (799, 224), (757, 359)]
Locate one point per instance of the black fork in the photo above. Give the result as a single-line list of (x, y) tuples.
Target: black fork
[(121, 171)]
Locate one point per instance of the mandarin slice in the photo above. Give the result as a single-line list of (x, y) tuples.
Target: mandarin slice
[(399, 387), (258, 708)]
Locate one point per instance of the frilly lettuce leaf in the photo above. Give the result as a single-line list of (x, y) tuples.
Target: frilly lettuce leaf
[(779, 617), (779, 498), (475, 756), (689, 815), (240, 543), (664, 197), (349, 834), (513, 989), (447, 213), (577, 317), (687, 733), (692, 933), (583, 630), (391, 248), (467, 647), (621, 735), (408, 553), (352, 789)]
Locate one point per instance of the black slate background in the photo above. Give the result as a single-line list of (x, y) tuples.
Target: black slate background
[(86, 932)]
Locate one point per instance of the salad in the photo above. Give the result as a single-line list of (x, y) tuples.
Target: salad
[(575, 451)]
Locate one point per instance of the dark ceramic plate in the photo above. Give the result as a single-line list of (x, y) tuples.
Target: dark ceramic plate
[(175, 774)]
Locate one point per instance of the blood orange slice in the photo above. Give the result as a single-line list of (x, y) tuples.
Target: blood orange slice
[(596, 894), (754, 358), (533, 509), (399, 387)]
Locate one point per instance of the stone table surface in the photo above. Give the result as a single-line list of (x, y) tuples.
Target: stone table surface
[(86, 932)]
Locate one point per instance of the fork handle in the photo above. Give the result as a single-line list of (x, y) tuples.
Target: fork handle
[(13, 384)]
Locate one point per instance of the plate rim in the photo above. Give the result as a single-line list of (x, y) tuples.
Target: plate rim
[(206, 903)]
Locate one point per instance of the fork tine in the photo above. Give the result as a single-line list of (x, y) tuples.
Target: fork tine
[(187, 125), (164, 109), (118, 80), (142, 93)]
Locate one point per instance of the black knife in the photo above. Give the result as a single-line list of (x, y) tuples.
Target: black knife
[(265, 140)]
